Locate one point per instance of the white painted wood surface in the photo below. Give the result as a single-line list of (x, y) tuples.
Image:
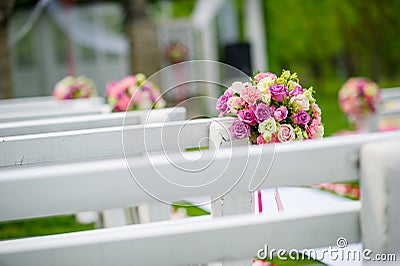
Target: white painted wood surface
[(52, 113), (220, 137), (390, 94), (380, 171), (389, 110), (44, 102), (102, 184), (43, 107), (91, 121), (78, 145), (333, 159), (88, 122), (183, 242)]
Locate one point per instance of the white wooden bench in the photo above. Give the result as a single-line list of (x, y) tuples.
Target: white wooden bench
[(388, 114), (330, 160), (94, 145), (45, 107), (91, 121), (66, 169), (30, 145), (41, 102), (44, 103)]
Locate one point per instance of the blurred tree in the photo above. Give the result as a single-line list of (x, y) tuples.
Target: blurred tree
[(6, 7), (142, 38), (371, 30), (303, 36), (329, 41)]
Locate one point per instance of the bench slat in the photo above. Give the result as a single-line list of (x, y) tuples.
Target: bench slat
[(186, 242), (101, 142), (91, 121)]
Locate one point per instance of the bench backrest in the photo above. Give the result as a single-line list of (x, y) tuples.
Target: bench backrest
[(184, 242), (45, 103), (91, 121), (389, 112), (32, 109), (78, 145)]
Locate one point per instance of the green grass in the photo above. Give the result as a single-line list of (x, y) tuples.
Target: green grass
[(191, 210), (41, 226), (201, 148), (285, 260), (289, 262)]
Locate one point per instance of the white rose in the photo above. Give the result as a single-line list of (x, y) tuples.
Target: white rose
[(264, 84), (237, 87), (320, 132), (267, 127), (300, 102)]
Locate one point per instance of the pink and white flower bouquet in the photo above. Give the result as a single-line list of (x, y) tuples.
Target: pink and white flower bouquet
[(359, 98), (271, 109), (133, 93), (74, 88)]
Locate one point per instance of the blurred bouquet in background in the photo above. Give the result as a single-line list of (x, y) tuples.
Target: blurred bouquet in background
[(74, 88), (133, 93), (359, 98), (271, 109)]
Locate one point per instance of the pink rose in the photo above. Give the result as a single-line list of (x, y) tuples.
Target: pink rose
[(280, 113), (317, 117), (261, 76), (274, 138), (123, 103), (251, 94), (296, 91), (247, 116), (234, 103), (316, 108), (111, 89), (262, 112), (239, 130), (261, 140), (312, 129), (301, 117), (138, 96), (222, 102), (127, 81), (256, 262), (285, 133), (278, 92)]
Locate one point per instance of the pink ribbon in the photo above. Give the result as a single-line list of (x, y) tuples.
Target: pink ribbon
[(278, 201), (259, 201)]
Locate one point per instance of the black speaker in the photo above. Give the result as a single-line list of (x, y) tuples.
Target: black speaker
[(238, 55)]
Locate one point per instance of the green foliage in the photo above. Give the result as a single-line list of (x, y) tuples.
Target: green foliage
[(328, 41), (41, 226), (182, 8)]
